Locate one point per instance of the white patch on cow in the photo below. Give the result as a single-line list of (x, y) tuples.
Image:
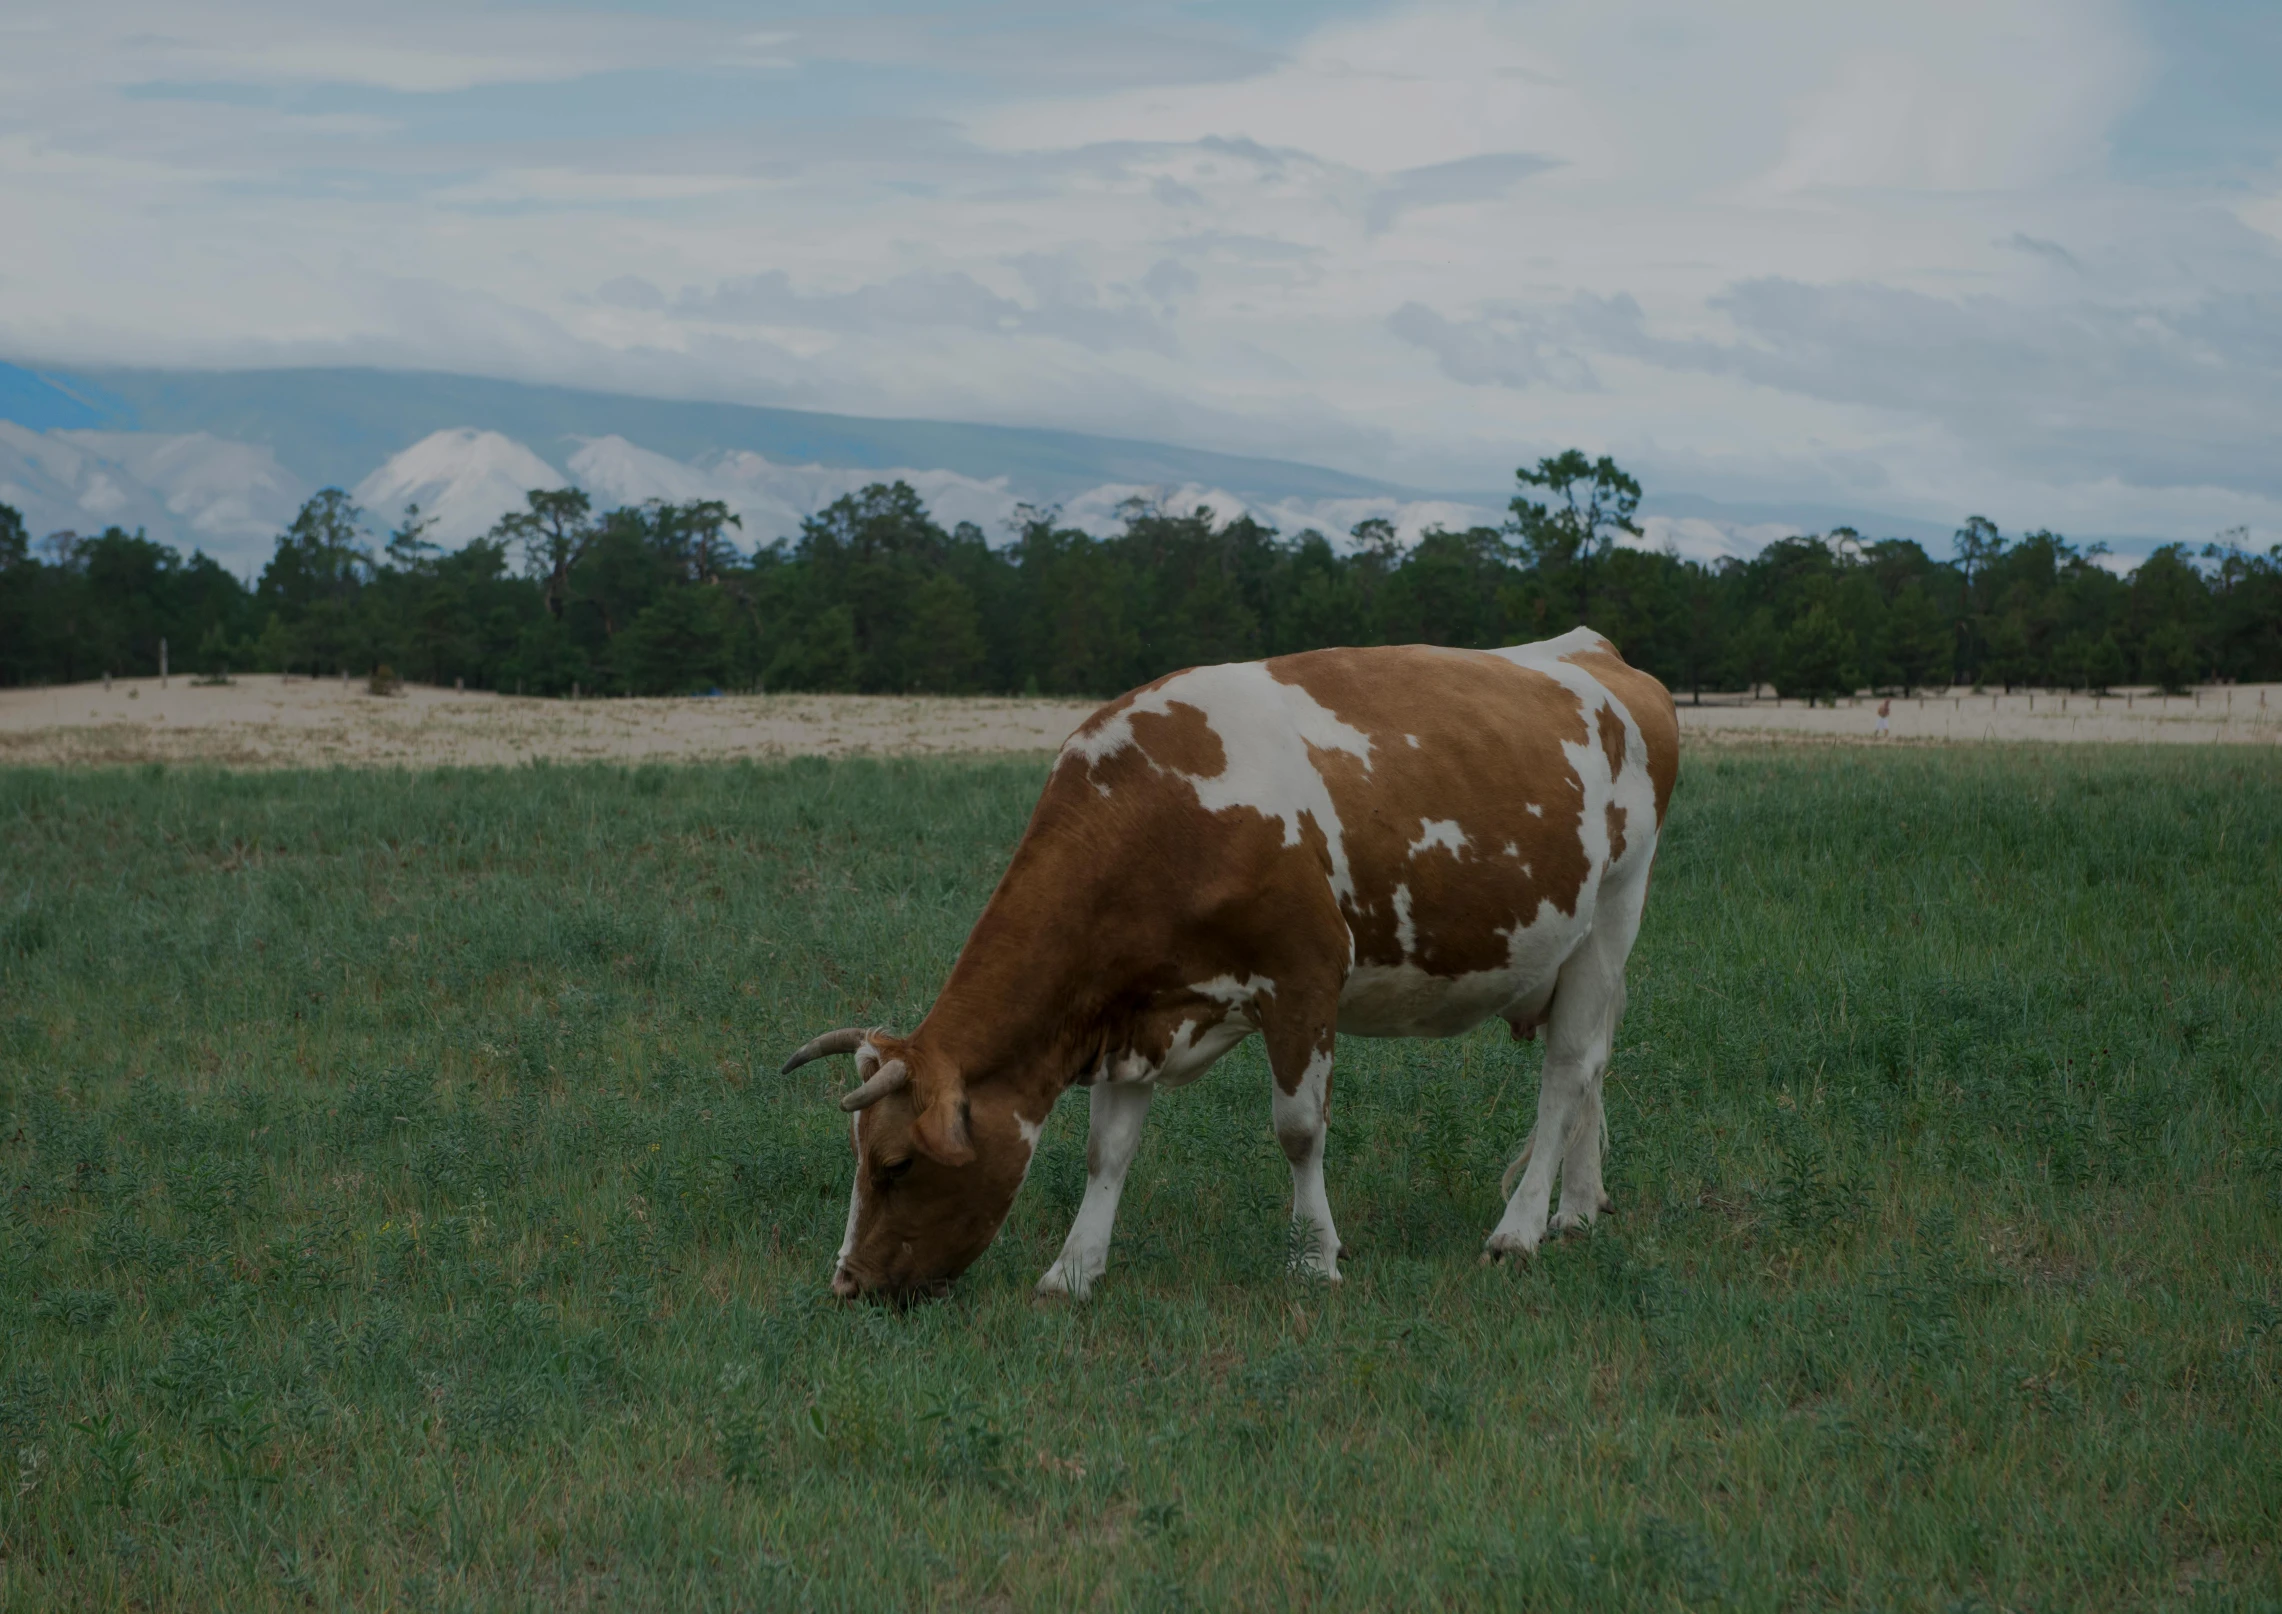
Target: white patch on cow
[(1266, 730), (1403, 1000), (1442, 832), (1535, 811), (1196, 1044), (1030, 1131), (1413, 739), (855, 1199), (1188, 1058), (1406, 932), (1227, 989), (1512, 850)]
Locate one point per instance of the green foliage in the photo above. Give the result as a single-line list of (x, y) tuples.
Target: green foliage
[(1569, 536), (2172, 660), (2104, 663), (678, 644), (399, 1208), (874, 595), (1815, 659)]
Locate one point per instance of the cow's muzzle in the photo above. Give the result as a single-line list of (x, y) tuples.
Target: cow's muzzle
[(896, 1292)]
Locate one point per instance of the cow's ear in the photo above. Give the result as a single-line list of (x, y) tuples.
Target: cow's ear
[(942, 1130)]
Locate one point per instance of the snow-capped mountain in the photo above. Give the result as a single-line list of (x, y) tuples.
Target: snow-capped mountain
[(467, 479), (776, 497), (462, 479), (617, 472)]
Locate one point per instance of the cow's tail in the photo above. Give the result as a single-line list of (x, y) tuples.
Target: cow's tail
[(1520, 1165), (1529, 1147)]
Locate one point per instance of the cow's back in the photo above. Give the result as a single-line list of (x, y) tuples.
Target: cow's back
[(1463, 809)]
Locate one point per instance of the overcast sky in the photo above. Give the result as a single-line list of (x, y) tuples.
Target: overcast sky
[(2022, 257)]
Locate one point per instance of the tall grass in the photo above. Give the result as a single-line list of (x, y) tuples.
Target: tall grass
[(401, 1210)]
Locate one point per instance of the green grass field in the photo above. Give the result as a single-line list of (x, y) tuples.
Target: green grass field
[(403, 1211)]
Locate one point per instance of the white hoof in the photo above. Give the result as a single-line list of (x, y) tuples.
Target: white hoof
[(1502, 1246), (1318, 1256)]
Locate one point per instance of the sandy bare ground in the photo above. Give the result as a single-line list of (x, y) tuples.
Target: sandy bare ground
[(264, 721), (2241, 714), (269, 722)]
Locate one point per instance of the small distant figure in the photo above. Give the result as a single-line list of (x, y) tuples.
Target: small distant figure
[(1885, 713)]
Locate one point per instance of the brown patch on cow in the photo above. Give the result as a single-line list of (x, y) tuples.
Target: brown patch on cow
[(1181, 739), (1653, 713), (1489, 748), (1616, 820), (1612, 738)]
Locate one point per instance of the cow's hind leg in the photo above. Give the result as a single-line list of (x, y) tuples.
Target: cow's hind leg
[(1299, 1058), (1113, 1134), (1582, 1197), (1587, 1004)]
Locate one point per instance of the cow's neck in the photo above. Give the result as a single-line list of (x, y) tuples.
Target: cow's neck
[(1023, 1002)]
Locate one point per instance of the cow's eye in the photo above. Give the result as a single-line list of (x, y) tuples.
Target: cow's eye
[(895, 1171)]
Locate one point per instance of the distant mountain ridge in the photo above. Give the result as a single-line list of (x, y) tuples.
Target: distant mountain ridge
[(331, 427), (221, 459)]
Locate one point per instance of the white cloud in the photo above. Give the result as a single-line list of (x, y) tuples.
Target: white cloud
[(413, 48), (2029, 102), (1391, 244), (1427, 85), (219, 491)]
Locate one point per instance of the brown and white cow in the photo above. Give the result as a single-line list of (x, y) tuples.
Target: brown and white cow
[(1393, 842)]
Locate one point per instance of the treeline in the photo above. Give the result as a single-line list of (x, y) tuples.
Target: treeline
[(875, 595)]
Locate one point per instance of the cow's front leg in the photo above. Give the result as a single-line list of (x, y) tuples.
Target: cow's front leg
[(1302, 1072), (1113, 1133)]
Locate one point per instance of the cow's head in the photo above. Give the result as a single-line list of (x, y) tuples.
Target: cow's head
[(936, 1167)]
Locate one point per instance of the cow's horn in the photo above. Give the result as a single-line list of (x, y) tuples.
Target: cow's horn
[(844, 1041), (890, 1077)]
